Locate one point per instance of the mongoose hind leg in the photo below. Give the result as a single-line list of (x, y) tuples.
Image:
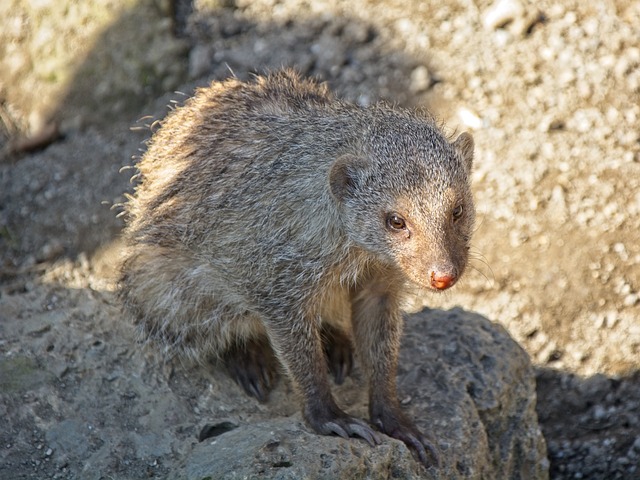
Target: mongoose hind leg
[(338, 349), (253, 365), (377, 325)]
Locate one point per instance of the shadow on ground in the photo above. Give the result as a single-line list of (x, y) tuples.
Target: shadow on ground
[(593, 417), (57, 202)]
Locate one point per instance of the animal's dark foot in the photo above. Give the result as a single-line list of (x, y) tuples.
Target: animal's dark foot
[(253, 366), (339, 352), (328, 419), (395, 424)]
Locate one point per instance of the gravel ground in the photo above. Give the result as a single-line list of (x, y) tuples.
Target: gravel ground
[(550, 91)]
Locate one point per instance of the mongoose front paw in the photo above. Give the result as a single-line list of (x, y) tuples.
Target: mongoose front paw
[(253, 366), (339, 352), (396, 425), (331, 420)]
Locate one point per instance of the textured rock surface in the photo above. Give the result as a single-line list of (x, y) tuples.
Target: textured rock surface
[(81, 400), (464, 380), (283, 448)]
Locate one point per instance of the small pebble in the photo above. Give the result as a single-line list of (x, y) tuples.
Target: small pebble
[(599, 412), (501, 13), (420, 79), (469, 118), (631, 300)]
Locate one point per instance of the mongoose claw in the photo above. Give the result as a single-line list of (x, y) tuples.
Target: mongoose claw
[(365, 432), (420, 444), (253, 367), (337, 429), (352, 427), (397, 426), (335, 421)]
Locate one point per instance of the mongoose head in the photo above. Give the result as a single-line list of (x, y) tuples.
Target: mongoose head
[(405, 197)]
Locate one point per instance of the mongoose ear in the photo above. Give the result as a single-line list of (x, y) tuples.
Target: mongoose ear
[(345, 176), (464, 145)]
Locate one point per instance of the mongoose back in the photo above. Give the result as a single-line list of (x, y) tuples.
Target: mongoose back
[(272, 221)]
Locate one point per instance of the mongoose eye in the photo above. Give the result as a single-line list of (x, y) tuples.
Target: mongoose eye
[(457, 212), (396, 222)]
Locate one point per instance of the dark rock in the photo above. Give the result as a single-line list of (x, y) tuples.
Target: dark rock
[(470, 386)]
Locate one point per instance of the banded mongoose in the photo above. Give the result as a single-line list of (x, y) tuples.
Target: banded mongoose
[(273, 221)]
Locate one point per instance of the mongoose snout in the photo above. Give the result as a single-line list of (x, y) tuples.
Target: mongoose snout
[(442, 280), (274, 225)]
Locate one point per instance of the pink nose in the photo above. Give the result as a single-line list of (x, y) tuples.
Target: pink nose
[(442, 281)]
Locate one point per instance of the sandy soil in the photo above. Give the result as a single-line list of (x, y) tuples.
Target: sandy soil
[(550, 91)]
